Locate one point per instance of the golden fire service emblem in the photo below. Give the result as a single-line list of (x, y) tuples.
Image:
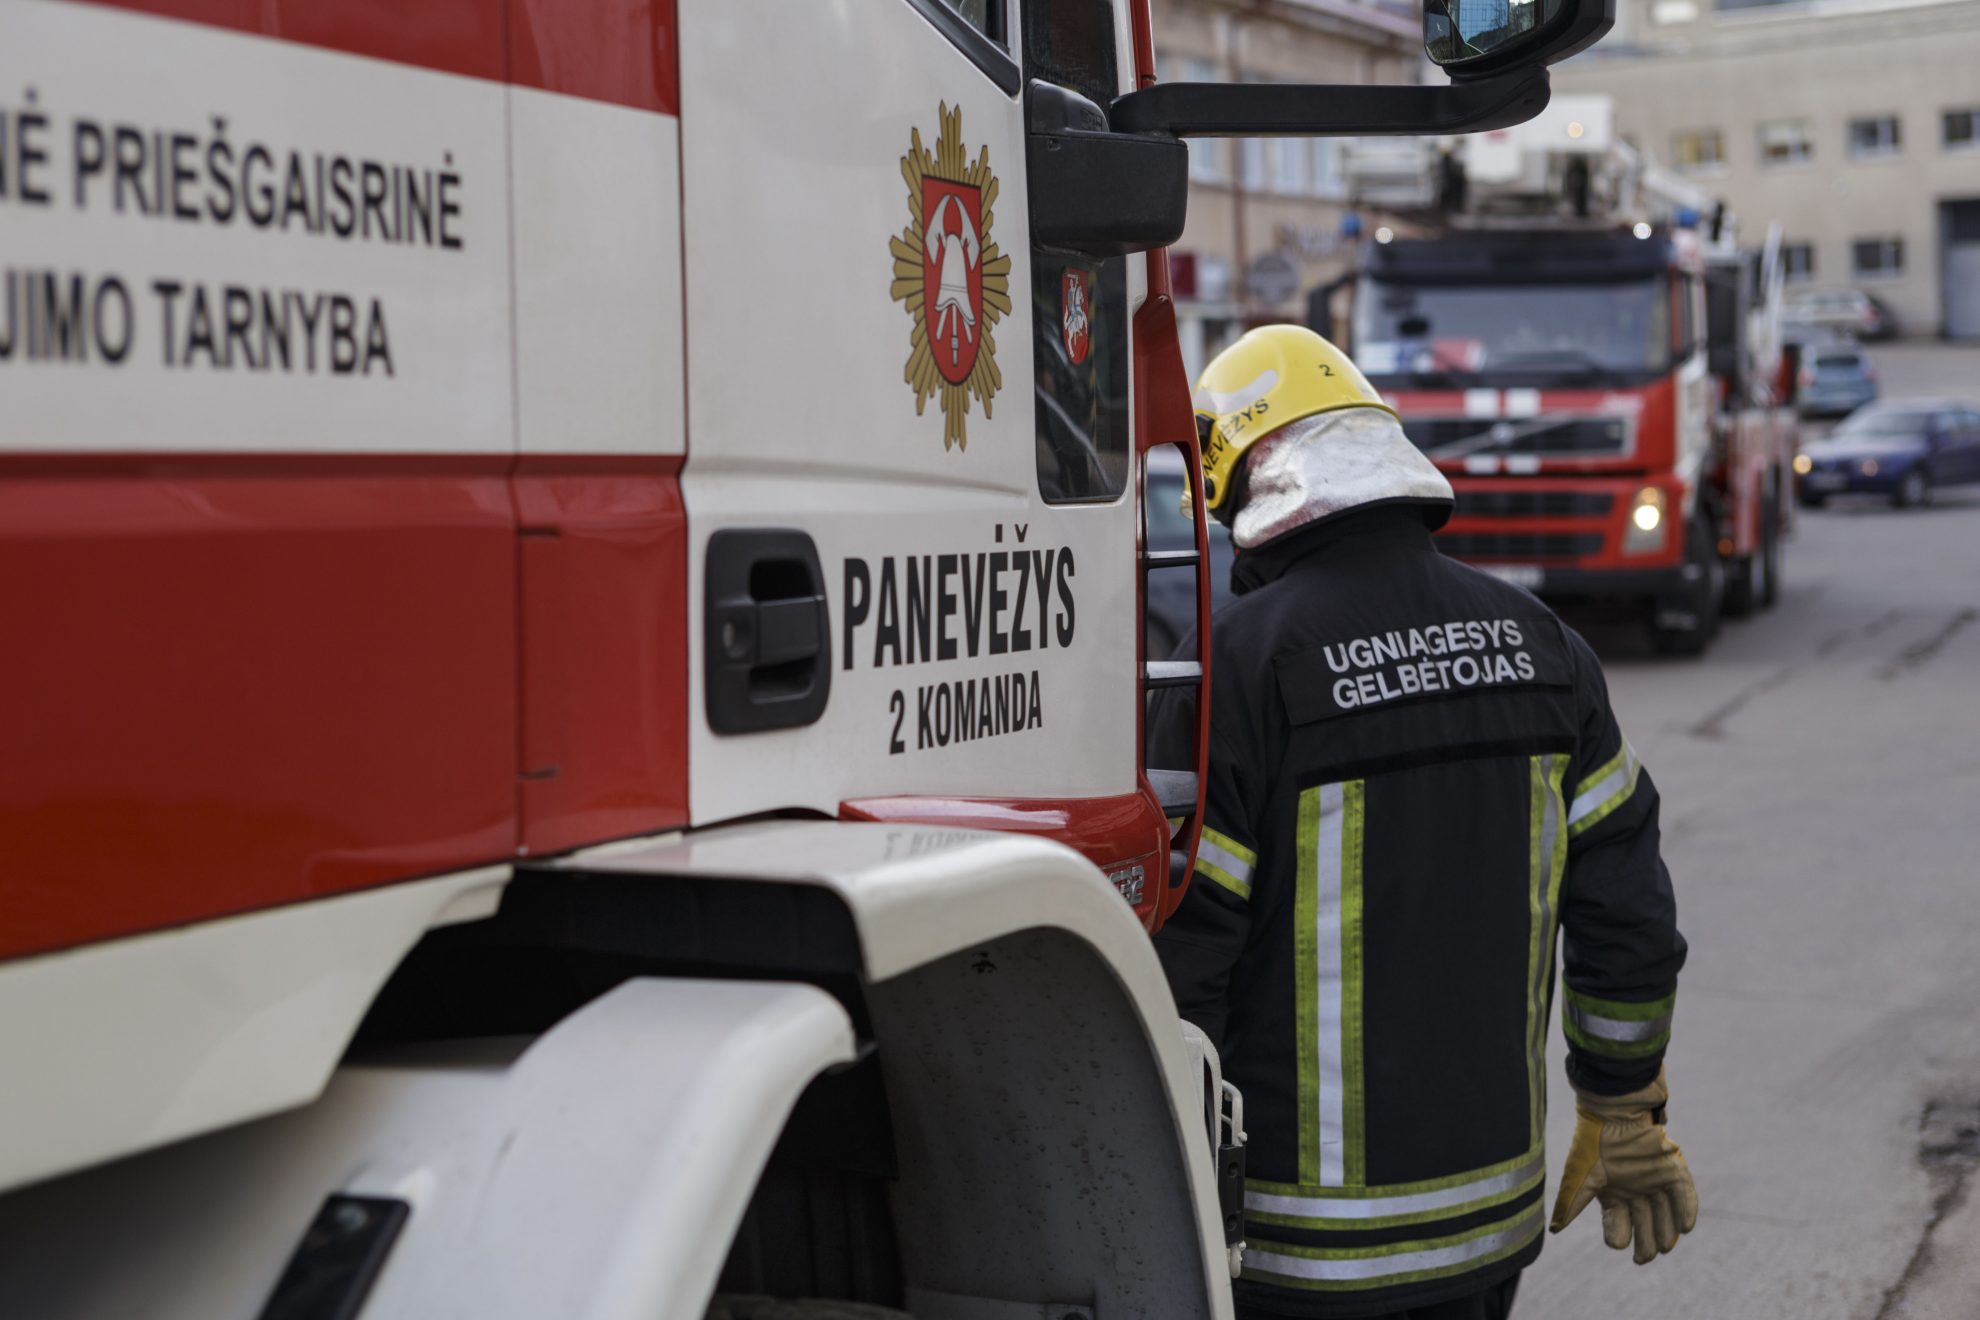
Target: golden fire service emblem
[(950, 276)]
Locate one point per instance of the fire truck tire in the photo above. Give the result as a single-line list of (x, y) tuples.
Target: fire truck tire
[(1741, 591), (732, 1307), (1753, 581), (1708, 596), (1770, 553)]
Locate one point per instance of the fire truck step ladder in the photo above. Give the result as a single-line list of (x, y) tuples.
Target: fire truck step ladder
[(1175, 788), (1174, 673), (1154, 559)]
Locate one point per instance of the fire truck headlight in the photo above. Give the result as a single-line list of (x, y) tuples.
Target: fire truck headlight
[(1645, 534)]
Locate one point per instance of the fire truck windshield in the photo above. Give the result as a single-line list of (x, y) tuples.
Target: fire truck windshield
[(1456, 335)]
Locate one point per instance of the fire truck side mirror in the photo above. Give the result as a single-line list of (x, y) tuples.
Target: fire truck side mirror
[(1096, 192), (1468, 39), (1495, 51), (1319, 110)]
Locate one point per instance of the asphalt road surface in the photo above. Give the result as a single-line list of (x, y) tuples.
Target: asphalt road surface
[(1821, 778)]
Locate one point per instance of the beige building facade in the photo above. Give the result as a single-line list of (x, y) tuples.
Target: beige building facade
[(1268, 218), (1855, 123)]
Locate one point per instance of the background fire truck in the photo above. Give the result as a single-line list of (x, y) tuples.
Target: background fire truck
[(573, 580), (1587, 352)]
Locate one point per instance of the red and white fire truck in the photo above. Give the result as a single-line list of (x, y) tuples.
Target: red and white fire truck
[(1588, 354), (571, 576)]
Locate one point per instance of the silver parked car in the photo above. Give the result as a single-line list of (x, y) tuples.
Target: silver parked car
[(1850, 311)]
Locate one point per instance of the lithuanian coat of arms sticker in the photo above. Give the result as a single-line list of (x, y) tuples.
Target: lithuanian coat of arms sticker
[(950, 277)]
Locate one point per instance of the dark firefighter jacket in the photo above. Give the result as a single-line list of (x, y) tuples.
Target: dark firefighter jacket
[(1415, 780)]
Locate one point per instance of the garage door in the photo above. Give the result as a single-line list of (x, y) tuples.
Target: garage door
[(1961, 297)]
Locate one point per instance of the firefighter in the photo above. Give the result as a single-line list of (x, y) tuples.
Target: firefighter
[(1414, 780)]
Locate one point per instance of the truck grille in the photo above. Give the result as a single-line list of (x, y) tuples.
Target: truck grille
[(1533, 504), (1460, 437), (1493, 547)]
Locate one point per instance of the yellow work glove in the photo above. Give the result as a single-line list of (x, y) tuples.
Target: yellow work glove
[(1622, 1157)]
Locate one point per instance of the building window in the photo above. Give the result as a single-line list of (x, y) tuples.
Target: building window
[(1871, 138), (1785, 142), (1251, 157), (1962, 128), (1207, 158), (1798, 261), (1877, 258), (1486, 22), (1701, 150), (1329, 179), (1289, 172)]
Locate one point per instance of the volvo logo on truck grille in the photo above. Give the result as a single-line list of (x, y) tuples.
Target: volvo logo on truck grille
[(1458, 437)]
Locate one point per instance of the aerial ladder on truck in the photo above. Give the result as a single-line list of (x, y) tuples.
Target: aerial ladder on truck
[(574, 580), (1576, 335)]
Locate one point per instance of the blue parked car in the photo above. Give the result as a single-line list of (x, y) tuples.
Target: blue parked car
[(1903, 450)]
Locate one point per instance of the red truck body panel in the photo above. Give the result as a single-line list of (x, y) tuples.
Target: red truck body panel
[(241, 680)]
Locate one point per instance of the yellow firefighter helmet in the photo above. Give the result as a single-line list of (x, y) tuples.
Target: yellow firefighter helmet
[(1274, 375)]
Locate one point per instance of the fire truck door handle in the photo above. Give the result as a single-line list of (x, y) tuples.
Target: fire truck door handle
[(788, 630), (768, 664)]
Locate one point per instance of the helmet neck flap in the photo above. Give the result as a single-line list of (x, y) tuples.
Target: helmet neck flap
[(1321, 466)]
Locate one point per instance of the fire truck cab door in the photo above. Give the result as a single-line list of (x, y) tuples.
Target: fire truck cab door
[(879, 360)]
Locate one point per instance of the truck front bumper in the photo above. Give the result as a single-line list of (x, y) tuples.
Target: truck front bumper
[(1583, 584), (1564, 538)]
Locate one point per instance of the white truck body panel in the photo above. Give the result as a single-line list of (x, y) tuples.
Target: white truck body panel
[(600, 339), (563, 243), (793, 187), (123, 1046), (916, 893), (596, 1174)]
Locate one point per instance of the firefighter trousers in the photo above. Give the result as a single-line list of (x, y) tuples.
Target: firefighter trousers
[(1493, 1303)]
